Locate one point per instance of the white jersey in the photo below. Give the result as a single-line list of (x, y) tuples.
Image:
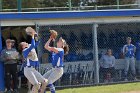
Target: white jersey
[(33, 55)]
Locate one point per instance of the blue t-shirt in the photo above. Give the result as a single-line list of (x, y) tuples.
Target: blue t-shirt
[(57, 58), (129, 50), (138, 51)]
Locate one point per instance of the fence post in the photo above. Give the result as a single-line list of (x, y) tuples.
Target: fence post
[(19, 5), (1, 5), (118, 4), (95, 50), (70, 5), (37, 31)]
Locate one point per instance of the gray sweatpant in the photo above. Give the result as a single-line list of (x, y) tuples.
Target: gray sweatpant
[(53, 75), (130, 62), (33, 75)]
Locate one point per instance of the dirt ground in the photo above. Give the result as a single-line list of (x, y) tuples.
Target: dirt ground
[(132, 92)]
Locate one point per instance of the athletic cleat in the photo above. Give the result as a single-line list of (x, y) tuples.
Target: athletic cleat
[(43, 87)]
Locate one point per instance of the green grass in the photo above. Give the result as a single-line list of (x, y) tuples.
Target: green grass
[(104, 89)]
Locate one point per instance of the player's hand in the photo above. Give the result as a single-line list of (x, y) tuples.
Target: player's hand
[(33, 33), (126, 49), (30, 31), (51, 37)]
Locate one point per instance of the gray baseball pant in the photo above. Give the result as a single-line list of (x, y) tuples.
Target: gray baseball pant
[(130, 62), (33, 75), (53, 75)]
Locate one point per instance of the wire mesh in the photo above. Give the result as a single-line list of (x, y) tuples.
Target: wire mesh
[(79, 65)]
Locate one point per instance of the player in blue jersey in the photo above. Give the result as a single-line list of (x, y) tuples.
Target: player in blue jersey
[(57, 61), (129, 53), (30, 55)]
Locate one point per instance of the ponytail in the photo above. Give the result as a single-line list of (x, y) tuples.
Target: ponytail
[(66, 49), (65, 46), (20, 47)]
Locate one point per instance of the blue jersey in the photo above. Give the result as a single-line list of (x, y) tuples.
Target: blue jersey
[(30, 55), (138, 51), (129, 50), (57, 58)]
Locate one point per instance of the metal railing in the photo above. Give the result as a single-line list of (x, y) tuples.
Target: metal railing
[(95, 7)]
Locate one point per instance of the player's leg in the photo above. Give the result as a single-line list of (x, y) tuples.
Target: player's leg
[(113, 73), (42, 80), (15, 77), (126, 67), (52, 88), (47, 74), (29, 86), (28, 72), (7, 77), (55, 74), (28, 83), (132, 66)]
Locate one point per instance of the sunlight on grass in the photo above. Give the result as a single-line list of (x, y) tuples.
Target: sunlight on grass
[(104, 89)]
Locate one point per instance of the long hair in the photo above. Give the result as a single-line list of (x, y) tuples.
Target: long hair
[(66, 49), (20, 47)]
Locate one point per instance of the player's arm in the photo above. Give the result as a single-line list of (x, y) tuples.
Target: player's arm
[(47, 46), (124, 50), (36, 44), (27, 51)]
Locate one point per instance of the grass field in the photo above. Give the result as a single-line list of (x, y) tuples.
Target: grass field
[(118, 88)]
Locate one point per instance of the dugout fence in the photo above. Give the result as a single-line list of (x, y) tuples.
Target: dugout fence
[(88, 42)]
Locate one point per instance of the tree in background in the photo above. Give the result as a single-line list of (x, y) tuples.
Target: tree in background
[(12, 4), (9, 4), (30, 3), (114, 2), (54, 3)]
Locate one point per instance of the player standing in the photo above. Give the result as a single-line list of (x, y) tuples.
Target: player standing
[(30, 55), (129, 53), (57, 61)]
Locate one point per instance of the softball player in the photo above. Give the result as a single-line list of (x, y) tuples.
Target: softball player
[(57, 61), (30, 55), (129, 53)]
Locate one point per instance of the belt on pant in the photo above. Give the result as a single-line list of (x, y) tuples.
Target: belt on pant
[(29, 66), (57, 66)]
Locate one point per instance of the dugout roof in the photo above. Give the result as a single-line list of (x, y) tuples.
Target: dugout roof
[(29, 18)]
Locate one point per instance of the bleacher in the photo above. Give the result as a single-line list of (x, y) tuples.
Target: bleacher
[(86, 70)]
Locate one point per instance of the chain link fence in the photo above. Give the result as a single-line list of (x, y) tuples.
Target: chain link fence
[(113, 36), (79, 68)]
